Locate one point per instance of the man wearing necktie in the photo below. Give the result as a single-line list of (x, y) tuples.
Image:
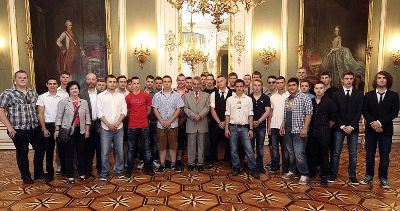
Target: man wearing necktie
[(348, 102), (197, 106), (380, 107)]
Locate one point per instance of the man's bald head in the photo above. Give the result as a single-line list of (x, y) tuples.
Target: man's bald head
[(91, 80)]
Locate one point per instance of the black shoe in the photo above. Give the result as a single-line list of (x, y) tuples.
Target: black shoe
[(167, 164), (209, 165), (176, 169), (354, 181), (200, 168), (323, 182), (48, 178), (149, 171), (190, 167), (235, 172), (128, 174), (39, 178), (255, 174), (27, 180), (262, 170), (179, 163), (160, 168)]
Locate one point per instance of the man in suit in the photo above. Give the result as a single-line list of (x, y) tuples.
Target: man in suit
[(348, 102), (380, 107), (217, 109), (197, 106), (93, 143)]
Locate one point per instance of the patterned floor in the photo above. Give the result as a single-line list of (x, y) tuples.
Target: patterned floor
[(215, 189)]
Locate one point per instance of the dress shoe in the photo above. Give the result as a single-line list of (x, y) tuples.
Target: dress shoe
[(48, 178), (235, 172), (190, 168), (149, 171), (200, 168), (255, 174), (27, 180)]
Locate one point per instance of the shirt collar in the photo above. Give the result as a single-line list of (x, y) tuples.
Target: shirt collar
[(50, 95), (377, 92), (60, 89), (14, 88), (292, 97), (95, 91), (344, 88), (225, 91)]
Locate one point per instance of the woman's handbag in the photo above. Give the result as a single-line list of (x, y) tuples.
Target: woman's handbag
[(63, 135)]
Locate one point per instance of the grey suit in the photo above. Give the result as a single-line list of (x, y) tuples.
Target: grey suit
[(196, 130), (65, 114)]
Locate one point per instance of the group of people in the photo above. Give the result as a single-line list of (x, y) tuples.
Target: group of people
[(305, 123)]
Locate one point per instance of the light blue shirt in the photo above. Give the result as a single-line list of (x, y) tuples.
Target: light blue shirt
[(167, 106)]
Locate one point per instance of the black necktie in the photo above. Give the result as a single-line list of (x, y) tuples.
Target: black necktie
[(347, 94), (222, 95), (381, 96)]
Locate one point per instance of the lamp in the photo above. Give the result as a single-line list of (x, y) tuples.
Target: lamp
[(267, 50), (396, 57), (141, 48)]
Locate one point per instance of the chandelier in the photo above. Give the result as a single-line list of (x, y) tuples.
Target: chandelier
[(216, 8), (191, 55)]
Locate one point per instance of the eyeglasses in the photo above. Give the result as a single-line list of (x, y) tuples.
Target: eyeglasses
[(271, 82)]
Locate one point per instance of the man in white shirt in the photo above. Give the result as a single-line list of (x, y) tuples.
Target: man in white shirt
[(239, 126), (47, 111), (93, 143), (65, 77), (111, 110), (274, 124)]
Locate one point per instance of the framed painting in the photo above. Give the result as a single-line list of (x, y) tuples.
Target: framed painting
[(335, 39), (69, 36)]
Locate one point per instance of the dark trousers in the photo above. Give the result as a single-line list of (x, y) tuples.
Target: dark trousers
[(153, 141), (138, 137), (49, 145), (317, 154), (373, 139), (21, 141), (93, 148), (77, 142), (217, 134)]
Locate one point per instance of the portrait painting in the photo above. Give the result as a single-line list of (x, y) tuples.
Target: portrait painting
[(68, 36), (335, 37)]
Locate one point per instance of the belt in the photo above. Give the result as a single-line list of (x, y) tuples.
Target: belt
[(239, 126)]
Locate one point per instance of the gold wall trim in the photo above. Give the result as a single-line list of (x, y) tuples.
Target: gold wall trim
[(284, 44), (29, 44), (368, 46), (13, 37), (108, 43), (301, 35), (122, 38), (381, 50), (180, 59), (230, 46)]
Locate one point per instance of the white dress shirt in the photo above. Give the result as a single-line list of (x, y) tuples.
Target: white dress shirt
[(212, 96), (125, 93), (50, 103), (62, 93), (379, 96), (111, 106), (93, 103), (350, 92), (278, 109), (239, 109)]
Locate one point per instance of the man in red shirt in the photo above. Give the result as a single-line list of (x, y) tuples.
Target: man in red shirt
[(139, 106)]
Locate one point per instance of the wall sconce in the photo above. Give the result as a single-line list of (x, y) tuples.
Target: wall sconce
[(141, 44), (396, 57), (395, 47), (141, 55), (267, 48)]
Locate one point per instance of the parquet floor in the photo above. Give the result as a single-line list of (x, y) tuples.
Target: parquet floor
[(214, 189)]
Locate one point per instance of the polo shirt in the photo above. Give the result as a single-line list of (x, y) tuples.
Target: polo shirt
[(259, 107)]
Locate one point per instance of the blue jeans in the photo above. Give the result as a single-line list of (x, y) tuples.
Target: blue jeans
[(259, 137), (296, 146), (352, 140), (277, 139), (153, 141), (242, 134), (106, 137), (138, 137)]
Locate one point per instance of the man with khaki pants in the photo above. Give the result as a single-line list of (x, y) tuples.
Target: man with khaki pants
[(197, 106)]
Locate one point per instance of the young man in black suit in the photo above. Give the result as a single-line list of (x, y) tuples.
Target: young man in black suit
[(380, 107), (348, 102)]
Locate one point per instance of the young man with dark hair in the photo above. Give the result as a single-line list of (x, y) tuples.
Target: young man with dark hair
[(380, 108), (139, 107), (247, 84), (93, 143), (65, 77), (188, 83), (149, 89), (257, 76), (232, 77), (301, 75), (167, 105), (101, 84), (348, 102), (122, 82), (327, 80), (274, 124), (305, 89), (210, 88), (158, 83), (203, 77), (19, 102), (317, 148), (239, 127), (261, 109), (296, 120), (217, 109)]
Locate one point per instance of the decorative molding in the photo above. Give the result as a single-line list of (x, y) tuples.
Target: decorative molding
[(239, 45), (108, 43), (170, 44), (29, 46), (123, 55), (301, 35), (381, 49), (13, 37), (284, 44), (368, 50)]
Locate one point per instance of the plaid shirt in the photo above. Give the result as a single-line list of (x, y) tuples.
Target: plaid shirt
[(21, 108), (301, 106)]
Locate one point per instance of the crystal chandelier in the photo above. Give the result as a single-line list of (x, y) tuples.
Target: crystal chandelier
[(191, 55), (216, 8)]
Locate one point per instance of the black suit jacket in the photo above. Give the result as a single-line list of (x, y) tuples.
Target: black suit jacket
[(348, 113), (384, 112), (85, 95)]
